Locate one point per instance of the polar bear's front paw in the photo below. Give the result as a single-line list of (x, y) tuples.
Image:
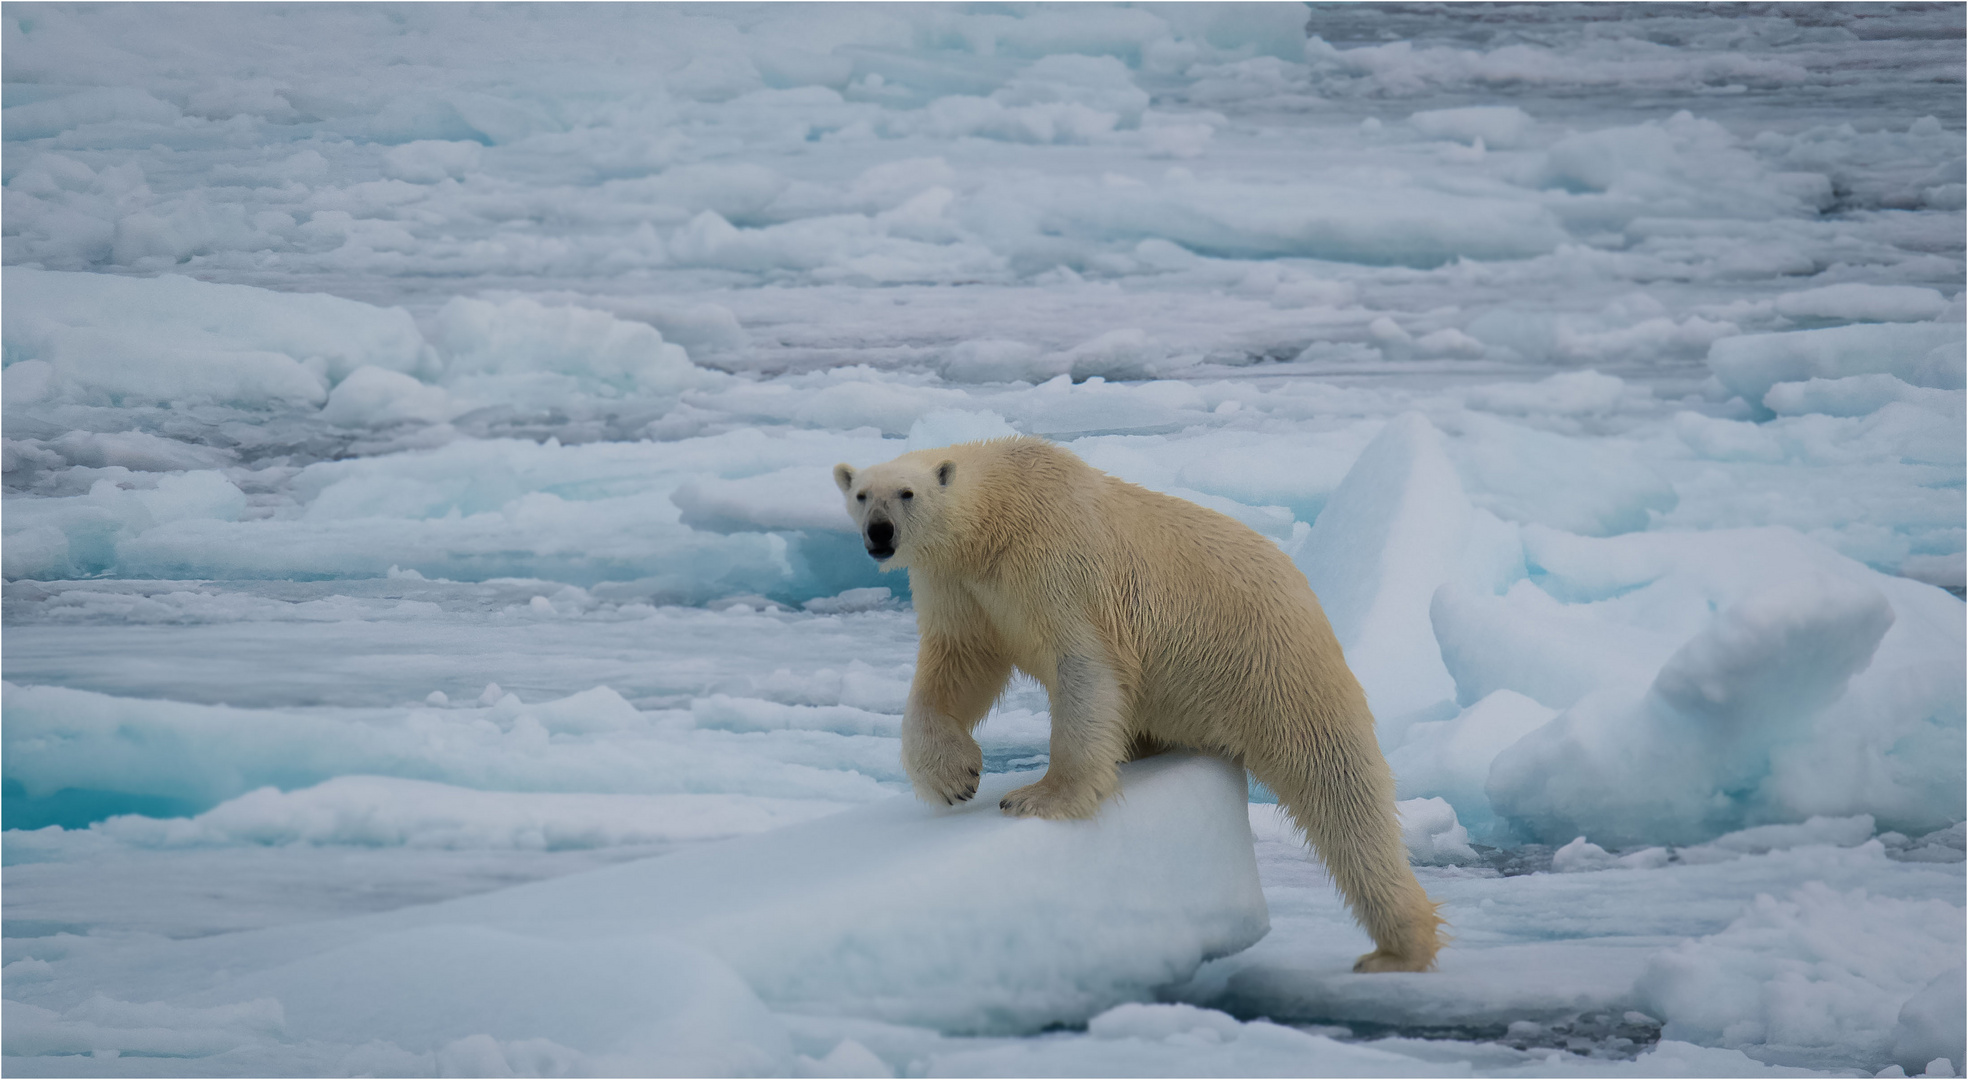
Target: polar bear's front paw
[(948, 790), (945, 772), (1058, 802)]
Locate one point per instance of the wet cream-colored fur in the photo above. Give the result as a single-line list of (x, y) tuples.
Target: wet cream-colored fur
[(1152, 623)]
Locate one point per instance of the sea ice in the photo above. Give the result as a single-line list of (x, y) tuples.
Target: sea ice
[(1917, 353), (416, 434), (895, 911), (115, 339), (1397, 529)]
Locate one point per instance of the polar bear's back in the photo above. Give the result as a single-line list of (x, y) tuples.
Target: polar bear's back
[(1220, 626), (1230, 637)]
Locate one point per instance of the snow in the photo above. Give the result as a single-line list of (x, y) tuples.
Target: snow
[(666, 961), (417, 426)]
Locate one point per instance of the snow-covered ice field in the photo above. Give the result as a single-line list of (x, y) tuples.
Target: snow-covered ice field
[(433, 644)]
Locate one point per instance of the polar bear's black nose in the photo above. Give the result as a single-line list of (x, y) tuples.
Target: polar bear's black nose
[(881, 539)]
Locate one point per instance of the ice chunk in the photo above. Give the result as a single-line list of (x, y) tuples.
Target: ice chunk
[(1397, 529), (645, 1005), (1855, 395), (987, 360), (700, 327), (1433, 835), (173, 338), (95, 105), (1838, 832), (1061, 121), (801, 497), (1495, 126), (848, 1058), (429, 161), (481, 508), (373, 397), (73, 753), (1450, 759), (870, 912), (1594, 487), (83, 534), (1157, 1022), (1931, 1025), (136, 450), (876, 598), (1062, 409), (1118, 354), (1580, 855), (1685, 158), (1859, 302), (1476, 987), (945, 427), (522, 336), (1101, 83), (1817, 970), (1885, 747), (1183, 141), (1177, 1040), (1528, 641), (1405, 224), (381, 811), (107, 1028), (959, 918), (1569, 392), (1663, 767), (1948, 571), (1922, 354), (1777, 654)]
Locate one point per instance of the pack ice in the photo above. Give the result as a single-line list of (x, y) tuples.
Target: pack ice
[(960, 920), (434, 644)]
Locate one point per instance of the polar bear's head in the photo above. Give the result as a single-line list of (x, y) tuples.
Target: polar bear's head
[(896, 504)]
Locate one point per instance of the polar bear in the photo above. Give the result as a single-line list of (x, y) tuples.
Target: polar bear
[(1152, 623)]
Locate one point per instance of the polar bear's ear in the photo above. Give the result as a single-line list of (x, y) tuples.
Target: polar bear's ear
[(945, 471), (843, 477)]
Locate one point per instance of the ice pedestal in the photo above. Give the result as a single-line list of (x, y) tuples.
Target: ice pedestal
[(958, 918)]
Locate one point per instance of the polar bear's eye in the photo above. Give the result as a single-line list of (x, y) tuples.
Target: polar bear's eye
[(907, 494), (863, 497)]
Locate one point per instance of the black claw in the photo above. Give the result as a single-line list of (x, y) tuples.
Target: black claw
[(1004, 804), (973, 772)]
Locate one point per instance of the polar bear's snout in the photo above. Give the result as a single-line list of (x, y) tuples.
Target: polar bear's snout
[(880, 539)]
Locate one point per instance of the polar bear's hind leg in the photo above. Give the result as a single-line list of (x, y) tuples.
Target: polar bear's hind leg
[(1346, 809)]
